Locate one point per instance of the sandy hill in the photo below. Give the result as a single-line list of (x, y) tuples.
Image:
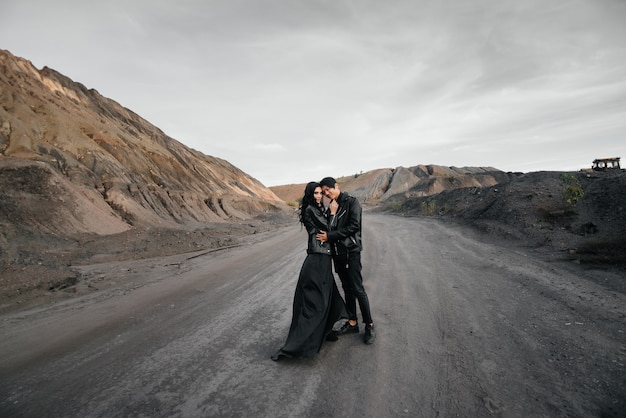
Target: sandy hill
[(92, 165), (80, 175)]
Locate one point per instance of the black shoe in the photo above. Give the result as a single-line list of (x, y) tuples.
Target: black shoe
[(370, 334), (348, 329), (332, 336)]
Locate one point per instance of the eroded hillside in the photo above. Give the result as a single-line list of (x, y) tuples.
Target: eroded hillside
[(92, 165), (84, 179)]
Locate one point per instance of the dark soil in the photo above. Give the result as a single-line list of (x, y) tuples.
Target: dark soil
[(532, 211)]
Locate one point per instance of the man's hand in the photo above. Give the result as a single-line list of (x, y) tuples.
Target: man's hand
[(322, 236)]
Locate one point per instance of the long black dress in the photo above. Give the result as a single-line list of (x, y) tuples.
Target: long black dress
[(317, 303)]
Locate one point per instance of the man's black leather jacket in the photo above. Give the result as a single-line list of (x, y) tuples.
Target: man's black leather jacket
[(314, 222), (344, 228)]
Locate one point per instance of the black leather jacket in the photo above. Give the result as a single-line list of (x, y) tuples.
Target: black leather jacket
[(344, 228), (315, 221)]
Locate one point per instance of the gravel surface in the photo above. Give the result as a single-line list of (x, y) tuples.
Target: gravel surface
[(466, 327)]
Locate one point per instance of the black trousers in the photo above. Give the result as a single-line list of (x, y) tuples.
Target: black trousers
[(348, 268)]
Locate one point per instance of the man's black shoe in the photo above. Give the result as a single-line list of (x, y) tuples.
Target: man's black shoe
[(332, 336), (348, 329), (370, 334)]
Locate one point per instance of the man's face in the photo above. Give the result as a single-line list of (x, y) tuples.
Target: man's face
[(331, 193)]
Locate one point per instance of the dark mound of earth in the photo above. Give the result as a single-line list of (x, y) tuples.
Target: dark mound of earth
[(532, 209)]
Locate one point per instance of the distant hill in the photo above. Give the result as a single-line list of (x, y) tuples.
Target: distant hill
[(378, 186)]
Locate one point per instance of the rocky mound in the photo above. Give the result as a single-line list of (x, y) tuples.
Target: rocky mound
[(533, 209)]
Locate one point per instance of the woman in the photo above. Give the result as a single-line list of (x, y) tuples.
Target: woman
[(317, 304)]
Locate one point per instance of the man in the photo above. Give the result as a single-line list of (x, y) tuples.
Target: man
[(344, 235)]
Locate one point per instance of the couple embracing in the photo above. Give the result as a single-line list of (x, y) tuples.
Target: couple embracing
[(333, 233)]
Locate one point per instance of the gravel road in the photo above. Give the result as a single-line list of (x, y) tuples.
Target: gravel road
[(465, 328)]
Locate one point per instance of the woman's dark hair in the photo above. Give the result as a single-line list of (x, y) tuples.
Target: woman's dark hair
[(308, 199)]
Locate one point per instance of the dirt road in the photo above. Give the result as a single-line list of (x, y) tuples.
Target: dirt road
[(465, 328)]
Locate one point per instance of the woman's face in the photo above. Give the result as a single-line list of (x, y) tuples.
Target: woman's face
[(317, 195)]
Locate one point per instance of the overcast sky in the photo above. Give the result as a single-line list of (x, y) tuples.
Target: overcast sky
[(294, 90)]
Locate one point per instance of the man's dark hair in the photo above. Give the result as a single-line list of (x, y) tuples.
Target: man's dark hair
[(328, 182)]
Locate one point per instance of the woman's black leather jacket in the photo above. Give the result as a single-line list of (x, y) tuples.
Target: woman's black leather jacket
[(314, 222)]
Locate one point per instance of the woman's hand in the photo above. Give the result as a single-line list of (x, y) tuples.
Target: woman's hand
[(333, 207)]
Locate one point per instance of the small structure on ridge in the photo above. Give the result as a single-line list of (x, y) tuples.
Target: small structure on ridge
[(601, 164)]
